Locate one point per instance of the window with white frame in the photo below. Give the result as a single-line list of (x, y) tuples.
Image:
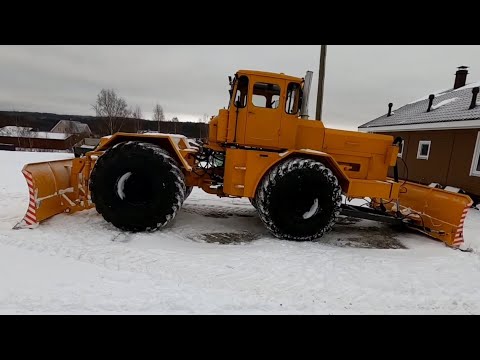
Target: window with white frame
[(424, 149), (400, 150), (475, 169)]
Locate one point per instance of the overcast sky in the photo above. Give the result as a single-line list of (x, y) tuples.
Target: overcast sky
[(189, 81)]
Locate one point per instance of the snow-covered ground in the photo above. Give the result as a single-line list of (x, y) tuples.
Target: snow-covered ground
[(81, 264)]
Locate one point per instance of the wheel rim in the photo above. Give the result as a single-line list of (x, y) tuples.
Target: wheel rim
[(306, 207), (135, 188)]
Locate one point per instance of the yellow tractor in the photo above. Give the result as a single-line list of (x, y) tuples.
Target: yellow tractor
[(262, 147)]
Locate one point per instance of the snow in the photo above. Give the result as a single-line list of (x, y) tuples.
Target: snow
[(444, 102), (121, 184), (152, 133), (176, 136), (312, 211), (436, 93), (14, 129), (80, 264), (24, 132), (452, 189), (469, 86), (316, 152), (49, 135)]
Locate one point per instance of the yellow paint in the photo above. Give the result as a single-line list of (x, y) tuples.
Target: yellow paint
[(254, 138), (369, 188), (175, 144), (435, 212)]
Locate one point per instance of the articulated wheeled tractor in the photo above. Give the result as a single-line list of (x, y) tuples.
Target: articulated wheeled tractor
[(262, 147)]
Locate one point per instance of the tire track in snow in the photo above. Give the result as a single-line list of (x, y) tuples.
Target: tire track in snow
[(158, 264), (309, 277)]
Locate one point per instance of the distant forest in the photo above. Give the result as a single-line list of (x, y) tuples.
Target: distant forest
[(46, 121)]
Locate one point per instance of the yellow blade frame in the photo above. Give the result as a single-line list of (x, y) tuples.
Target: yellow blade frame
[(435, 212), (55, 187)]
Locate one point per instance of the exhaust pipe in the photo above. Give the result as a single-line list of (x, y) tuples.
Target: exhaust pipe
[(306, 94)]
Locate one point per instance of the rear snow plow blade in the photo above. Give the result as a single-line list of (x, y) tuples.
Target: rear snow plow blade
[(54, 187), (435, 212)]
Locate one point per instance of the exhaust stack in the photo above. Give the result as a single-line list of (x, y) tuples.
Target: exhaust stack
[(306, 94)]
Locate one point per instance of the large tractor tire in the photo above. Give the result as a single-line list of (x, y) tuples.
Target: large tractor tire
[(188, 191), (137, 186), (299, 200)]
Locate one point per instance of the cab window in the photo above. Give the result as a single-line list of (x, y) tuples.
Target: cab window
[(292, 104), (266, 95), (241, 93)]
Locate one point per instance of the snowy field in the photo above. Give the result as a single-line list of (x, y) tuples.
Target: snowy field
[(217, 258)]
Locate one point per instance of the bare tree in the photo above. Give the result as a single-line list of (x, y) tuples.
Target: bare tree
[(158, 115), (24, 134), (19, 137), (175, 121), (200, 127), (136, 114), (29, 135), (112, 108)]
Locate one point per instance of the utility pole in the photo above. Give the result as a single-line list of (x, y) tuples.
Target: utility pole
[(321, 81)]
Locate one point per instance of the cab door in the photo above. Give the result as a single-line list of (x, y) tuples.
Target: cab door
[(264, 112)]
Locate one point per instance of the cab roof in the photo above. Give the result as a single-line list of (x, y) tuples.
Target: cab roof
[(270, 74)]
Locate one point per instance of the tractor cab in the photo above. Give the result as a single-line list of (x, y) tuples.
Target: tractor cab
[(262, 112)]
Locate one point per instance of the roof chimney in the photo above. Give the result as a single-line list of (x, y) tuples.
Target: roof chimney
[(460, 77), (390, 109), (430, 102), (475, 91)]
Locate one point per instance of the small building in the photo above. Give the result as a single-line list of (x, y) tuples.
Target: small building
[(440, 136), (71, 127), (25, 138)]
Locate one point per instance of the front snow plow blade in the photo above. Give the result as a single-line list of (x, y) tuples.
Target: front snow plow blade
[(435, 212), (54, 187)]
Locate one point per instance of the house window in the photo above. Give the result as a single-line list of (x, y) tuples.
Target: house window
[(475, 169), (423, 149), (400, 150), (266, 95)]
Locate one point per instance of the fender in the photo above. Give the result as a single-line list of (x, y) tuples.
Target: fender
[(176, 145), (255, 175)]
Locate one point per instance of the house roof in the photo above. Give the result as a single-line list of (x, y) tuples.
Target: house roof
[(14, 129), (75, 127), (27, 133), (49, 135), (35, 135), (449, 110)]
